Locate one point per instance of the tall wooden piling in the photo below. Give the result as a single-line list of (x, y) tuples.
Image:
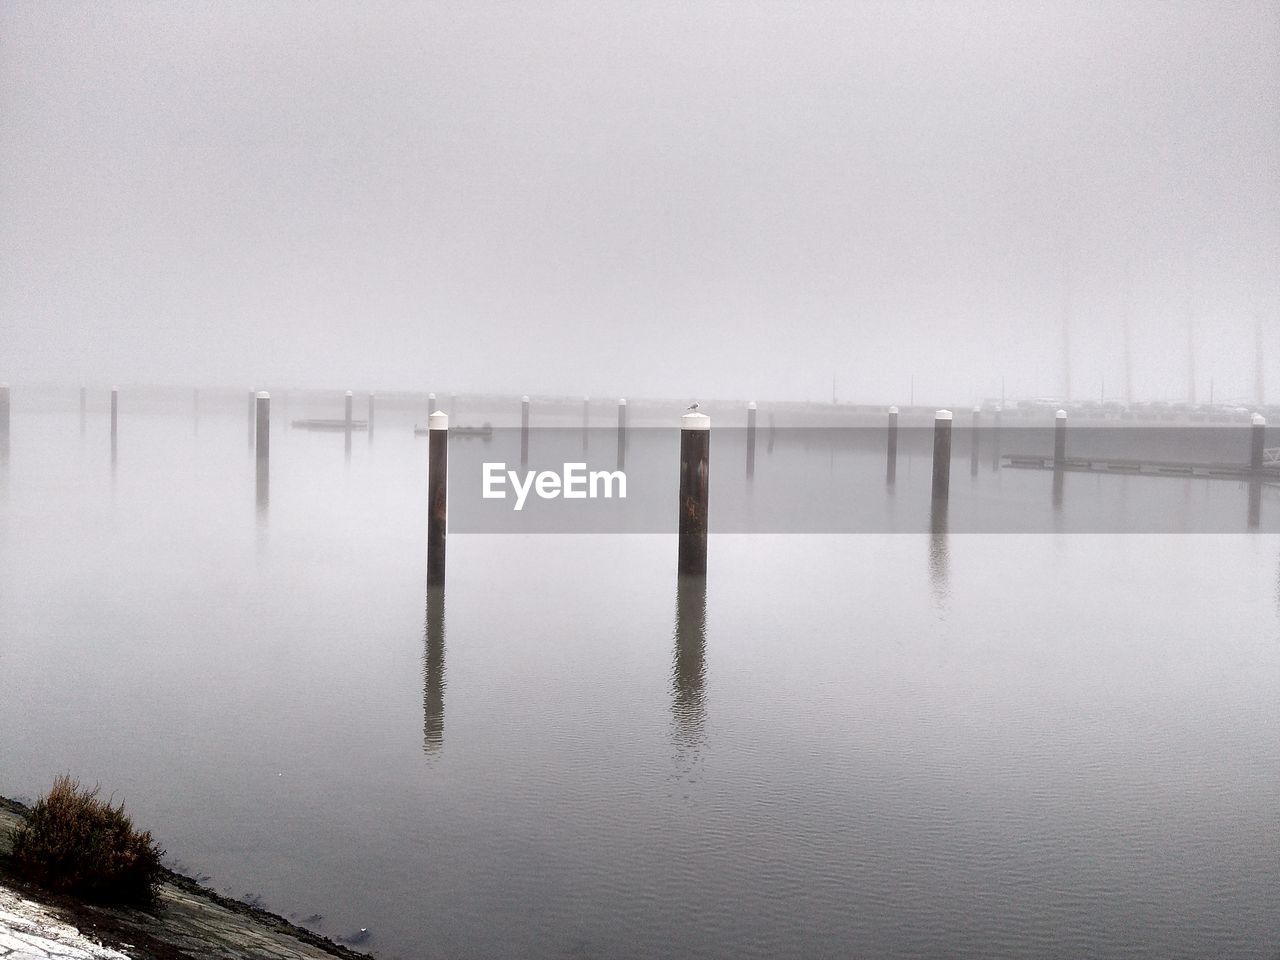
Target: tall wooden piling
[(622, 432), (195, 412), (891, 461), (524, 430), (371, 414), (942, 455), (346, 420), (1059, 439), (996, 438), (586, 419), (975, 441), (437, 495), (695, 450), (751, 439), (262, 446), (115, 415), (1257, 442)]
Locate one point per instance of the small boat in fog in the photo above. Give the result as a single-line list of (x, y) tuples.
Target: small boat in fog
[(484, 431), (338, 425)]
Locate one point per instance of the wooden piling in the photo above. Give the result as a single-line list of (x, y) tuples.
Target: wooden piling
[(622, 432), (995, 438), (942, 455), (975, 438), (1257, 442), (695, 449), (262, 446), (751, 439), (371, 413), (891, 462), (586, 419), (524, 430), (437, 495), (346, 433), (1059, 438)]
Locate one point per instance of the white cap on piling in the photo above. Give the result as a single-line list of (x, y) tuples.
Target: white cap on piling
[(431, 396), (115, 389), (893, 410), (695, 421), (1060, 415), (751, 405), (942, 415), (1259, 420), (349, 393), (438, 421), (585, 398), (622, 401), (262, 395), (525, 398)]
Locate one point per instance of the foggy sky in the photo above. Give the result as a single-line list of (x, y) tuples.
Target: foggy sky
[(706, 199)]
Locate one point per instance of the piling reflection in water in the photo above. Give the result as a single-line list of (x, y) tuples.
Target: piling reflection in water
[(688, 673), (1058, 482), (1255, 503), (433, 673), (939, 556)]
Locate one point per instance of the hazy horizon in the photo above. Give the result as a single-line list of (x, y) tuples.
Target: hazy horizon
[(713, 200)]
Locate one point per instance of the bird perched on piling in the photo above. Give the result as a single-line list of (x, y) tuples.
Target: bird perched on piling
[(693, 407)]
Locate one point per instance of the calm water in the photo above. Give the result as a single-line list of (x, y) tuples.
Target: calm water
[(880, 745)]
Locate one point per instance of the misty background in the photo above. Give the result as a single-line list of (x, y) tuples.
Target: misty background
[(663, 198)]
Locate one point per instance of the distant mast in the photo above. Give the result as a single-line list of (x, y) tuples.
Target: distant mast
[(1066, 333), (1260, 386), (1191, 359), (1126, 322)]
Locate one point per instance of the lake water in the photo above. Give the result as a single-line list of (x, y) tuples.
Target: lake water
[(867, 744)]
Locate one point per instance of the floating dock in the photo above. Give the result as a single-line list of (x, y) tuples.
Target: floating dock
[(1161, 468)]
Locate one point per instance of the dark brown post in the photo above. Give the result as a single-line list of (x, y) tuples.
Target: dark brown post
[(942, 455), (891, 465), (524, 430), (751, 439), (437, 495), (695, 449)]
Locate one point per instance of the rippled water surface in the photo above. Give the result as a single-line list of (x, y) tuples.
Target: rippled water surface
[(880, 745)]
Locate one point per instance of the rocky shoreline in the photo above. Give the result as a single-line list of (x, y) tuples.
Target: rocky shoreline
[(188, 922)]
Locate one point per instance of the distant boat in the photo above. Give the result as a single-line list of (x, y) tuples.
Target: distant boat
[(331, 425), (485, 432)]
